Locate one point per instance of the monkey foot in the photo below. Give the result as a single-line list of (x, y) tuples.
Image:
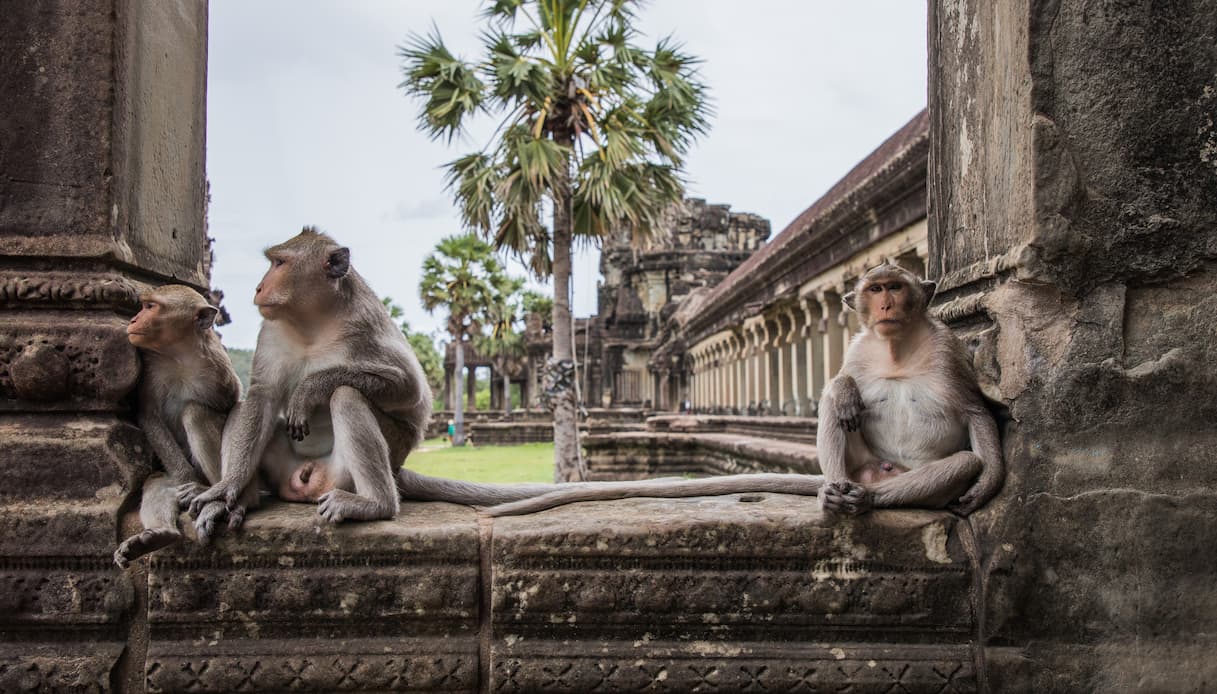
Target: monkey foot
[(845, 498), (145, 542)]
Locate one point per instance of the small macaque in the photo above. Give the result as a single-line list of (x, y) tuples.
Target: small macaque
[(187, 388)]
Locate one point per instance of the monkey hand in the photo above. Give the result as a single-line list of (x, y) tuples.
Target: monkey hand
[(298, 409), (846, 498), (849, 404), (979, 494), (221, 491), (187, 492)]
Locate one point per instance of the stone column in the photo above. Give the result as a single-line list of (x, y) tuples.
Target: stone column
[(1073, 232), (102, 194), (814, 349), (832, 334)]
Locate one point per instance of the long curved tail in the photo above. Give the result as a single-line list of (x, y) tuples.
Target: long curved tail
[(560, 495)]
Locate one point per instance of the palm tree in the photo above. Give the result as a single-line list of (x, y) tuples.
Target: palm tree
[(504, 343), (461, 275), (592, 125)]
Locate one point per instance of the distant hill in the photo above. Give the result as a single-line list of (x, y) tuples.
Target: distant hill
[(242, 359)]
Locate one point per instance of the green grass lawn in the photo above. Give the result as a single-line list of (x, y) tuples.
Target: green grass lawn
[(529, 462)]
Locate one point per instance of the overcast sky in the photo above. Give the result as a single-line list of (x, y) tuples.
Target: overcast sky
[(306, 124)]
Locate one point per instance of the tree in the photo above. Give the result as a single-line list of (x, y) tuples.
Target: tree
[(460, 275), (591, 123), (504, 343), (422, 344)]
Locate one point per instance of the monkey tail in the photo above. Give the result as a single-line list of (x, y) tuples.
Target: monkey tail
[(413, 486), (560, 495)]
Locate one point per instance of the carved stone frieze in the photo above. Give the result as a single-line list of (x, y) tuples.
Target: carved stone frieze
[(67, 362), (527, 666), (68, 289), (63, 666), (314, 665)]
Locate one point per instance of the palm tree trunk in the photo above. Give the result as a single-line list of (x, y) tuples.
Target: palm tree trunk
[(566, 432), (458, 436), (506, 392)]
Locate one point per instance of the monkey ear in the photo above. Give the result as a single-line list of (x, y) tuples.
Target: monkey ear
[(850, 300), (338, 264), (928, 288), (206, 317)]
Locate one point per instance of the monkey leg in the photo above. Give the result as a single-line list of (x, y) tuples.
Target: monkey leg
[(204, 432), (361, 449), (158, 511), (842, 494), (249, 428), (933, 485)]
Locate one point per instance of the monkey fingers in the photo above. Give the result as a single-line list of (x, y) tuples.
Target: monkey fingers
[(236, 516), (186, 494), (220, 490), (330, 506), (847, 498), (298, 410)]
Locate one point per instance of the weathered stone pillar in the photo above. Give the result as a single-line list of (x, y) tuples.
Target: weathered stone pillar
[(1073, 230), (102, 192), (832, 334), (815, 348)]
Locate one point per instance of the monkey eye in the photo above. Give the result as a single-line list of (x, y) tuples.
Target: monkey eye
[(276, 262), (875, 288), (895, 286)]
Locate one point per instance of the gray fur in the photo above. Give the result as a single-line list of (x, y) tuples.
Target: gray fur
[(187, 388)]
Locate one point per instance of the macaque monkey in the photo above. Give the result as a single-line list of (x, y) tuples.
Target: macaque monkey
[(186, 390), (902, 425)]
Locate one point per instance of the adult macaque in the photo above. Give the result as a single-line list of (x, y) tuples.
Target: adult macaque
[(337, 398), (902, 425), (186, 390)]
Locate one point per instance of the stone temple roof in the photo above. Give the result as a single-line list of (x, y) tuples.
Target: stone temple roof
[(863, 187)]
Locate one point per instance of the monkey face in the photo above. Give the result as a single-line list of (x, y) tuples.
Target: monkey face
[(304, 276), (886, 305), (144, 328), (168, 316)]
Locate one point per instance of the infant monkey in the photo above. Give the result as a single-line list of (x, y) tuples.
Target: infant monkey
[(186, 390)]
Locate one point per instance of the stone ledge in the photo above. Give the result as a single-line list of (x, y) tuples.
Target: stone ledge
[(736, 591)]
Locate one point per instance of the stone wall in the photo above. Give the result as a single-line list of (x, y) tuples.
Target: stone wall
[(101, 193), (1073, 178)]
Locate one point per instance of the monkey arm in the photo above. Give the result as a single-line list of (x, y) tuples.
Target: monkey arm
[(166, 447), (837, 407), (318, 387), (248, 430), (982, 431), (204, 429)]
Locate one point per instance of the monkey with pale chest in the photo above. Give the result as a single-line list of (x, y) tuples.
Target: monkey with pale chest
[(187, 388), (904, 422)]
